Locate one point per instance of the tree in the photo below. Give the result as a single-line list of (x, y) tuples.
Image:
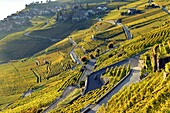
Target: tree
[(84, 59), (76, 7), (110, 45), (123, 71), (111, 55), (118, 8), (114, 71), (168, 43), (128, 68), (167, 67), (97, 52), (91, 56), (118, 71), (57, 15), (107, 70), (68, 8), (82, 83)]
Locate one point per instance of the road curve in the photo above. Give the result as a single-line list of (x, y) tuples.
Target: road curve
[(126, 30), (88, 70), (96, 83), (72, 53), (132, 78)]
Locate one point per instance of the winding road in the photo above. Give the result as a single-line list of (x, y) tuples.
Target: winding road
[(132, 78), (69, 89), (96, 83)]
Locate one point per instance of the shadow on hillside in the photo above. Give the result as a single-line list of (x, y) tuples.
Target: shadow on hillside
[(62, 30), (28, 46)]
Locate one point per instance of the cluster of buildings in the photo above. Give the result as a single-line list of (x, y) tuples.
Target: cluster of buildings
[(78, 13), (63, 13), (13, 22), (22, 18)]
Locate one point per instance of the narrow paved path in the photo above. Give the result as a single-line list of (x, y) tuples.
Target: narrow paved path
[(89, 69), (66, 92), (69, 89), (127, 32), (111, 21), (72, 41), (53, 40), (72, 53), (74, 56), (164, 9), (27, 93)]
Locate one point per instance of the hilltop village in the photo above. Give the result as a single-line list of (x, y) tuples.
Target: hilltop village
[(72, 12)]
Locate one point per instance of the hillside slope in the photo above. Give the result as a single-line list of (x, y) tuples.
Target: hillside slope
[(42, 79), (149, 95)]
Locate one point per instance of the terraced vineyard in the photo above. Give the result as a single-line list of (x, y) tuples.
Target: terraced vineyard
[(48, 71), (134, 46), (145, 15), (109, 33), (73, 80), (51, 90), (149, 95), (156, 58), (152, 94), (115, 75)]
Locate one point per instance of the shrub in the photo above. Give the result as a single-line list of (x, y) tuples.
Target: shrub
[(110, 55), (82, 83), (84, 59), (91, 56)]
